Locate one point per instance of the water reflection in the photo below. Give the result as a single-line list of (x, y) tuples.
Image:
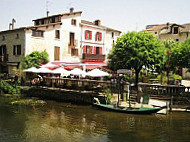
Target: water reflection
[(74, 123)]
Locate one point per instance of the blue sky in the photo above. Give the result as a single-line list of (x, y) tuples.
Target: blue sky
[(124, 15)]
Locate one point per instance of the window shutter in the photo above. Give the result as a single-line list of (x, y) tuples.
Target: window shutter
[(86, 36), (14, 50), (18, 49), (91, 49), (100, 48), (90, 34), (94, 49), (84, 49), (100, 34)]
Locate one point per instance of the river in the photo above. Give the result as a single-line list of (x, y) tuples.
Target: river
[(64, 122)]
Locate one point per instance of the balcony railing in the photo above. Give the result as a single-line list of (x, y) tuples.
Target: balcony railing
[(93, 56), (4, 58), (74, 52)]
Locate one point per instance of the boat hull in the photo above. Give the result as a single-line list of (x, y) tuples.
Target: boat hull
[(129, 110)]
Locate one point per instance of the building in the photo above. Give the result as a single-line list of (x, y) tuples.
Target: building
[(173, 31), (66, 38), (170, 31)]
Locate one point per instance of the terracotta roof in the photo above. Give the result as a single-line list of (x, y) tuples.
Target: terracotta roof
[(17, 29), (92, 23), (156, 27), (87, 22)]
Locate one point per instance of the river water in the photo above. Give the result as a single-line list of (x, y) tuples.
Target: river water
[(64, 122)]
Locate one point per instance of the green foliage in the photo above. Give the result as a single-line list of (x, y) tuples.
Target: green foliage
[(136, 49), (108, 95), (175, 77), (182, 54), (34, 59), (175, 56), (162, 78), (129, 78), (7, 88)]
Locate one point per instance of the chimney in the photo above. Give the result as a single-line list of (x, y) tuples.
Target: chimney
[(47, 13), (97, 22), (13, 23), (10, 26), (71, 10), (167, 24)]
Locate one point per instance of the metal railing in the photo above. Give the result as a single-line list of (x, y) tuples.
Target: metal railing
[(4, 58)]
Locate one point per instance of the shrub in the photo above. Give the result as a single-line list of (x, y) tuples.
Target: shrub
[(8, 88), (108, 95)]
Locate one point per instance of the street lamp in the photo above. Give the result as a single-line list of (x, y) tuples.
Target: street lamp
[(169, 53)]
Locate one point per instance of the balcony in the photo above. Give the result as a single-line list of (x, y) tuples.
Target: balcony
[(4, 58), (71, 48), (93, 56), (74, 52)]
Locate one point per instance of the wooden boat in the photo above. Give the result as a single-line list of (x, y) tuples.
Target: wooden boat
[(131, 110)]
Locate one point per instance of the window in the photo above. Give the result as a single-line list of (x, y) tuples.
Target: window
[(56, 53), (3, 50), (53, 20), (42, 22), (3, 37), (155, 32), (73, 22), (57, 34), (17, 36), (112, 34), (17, 50), (88, 35), (175, 30), (37, 23), (37, 33), (177, 39), (87, 49), (98, 36), (99, 50)]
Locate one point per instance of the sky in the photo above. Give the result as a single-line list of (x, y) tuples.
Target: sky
[(123, 15)]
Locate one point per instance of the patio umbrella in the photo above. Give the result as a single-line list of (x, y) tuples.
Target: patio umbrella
[(49, 65), (43, 70), (61, 71), (32, 69), (97, 73), (77, 71)]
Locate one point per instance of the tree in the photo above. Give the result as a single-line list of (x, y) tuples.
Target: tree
[(34, 59), (174, 47), (182, 54), (135, 50)]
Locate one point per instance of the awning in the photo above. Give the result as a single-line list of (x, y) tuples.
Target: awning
[(72, 65), (94, 65)]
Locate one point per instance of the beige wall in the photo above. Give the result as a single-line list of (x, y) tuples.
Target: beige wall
[(11, 40), (109, 41), (181, 36), (48, 42)]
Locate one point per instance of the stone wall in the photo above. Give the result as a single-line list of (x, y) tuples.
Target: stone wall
[(83, 97)]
